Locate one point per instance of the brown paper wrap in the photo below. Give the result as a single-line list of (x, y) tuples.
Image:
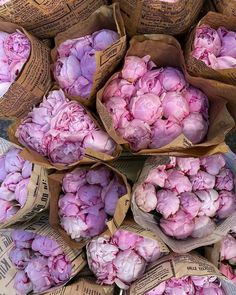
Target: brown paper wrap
[(37, 192), (106, 17), (46, 18), (227, 7), (166, 51), (197, 67), (91, 156), (177, 266), (148, 221), (39, 226), (84, 287), (33, 81), (212, 253), (55, 185), (154, 16)]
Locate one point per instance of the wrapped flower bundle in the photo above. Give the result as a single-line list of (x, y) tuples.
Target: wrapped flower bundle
[(182, 274), (122, 258), (89, 197), (189, 285), (151, 106), (62, 130), (188, 196), (228, 256), (216, 48), (15, 175), (40, 261), (75, 65), (14, 52)]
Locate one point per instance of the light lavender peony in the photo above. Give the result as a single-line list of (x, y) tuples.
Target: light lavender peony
[(75, 66), (62, 130)]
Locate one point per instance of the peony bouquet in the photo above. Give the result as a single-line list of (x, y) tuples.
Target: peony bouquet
[(75, 66), (90, 197), (15, 175), (188, 196), (216, 48), (189, 285), (40, 261), (62, 130), (122, 258), (150, 106), (228, 256), (15, 50)]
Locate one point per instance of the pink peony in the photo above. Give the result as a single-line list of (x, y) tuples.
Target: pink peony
[(227, 204), (148, 249), (100, 254), (208, 39), (38, 272), (21, 191), (227, 270), (7, 210), (100, 175), (149, 83), (157, 176), (178, 182), (145, 197), (179, 226), (73, 180), (26, 169), (197, 100), (172, 79), (17, 46), (104, 38), (137, 133), (175, 106), (22, 283), (67, 131), (20, 257), (46, 246), (69, 205), (228, 248), (146, 107), (189, 166), (75, 66), (202, 180), (209, 202), (134, 68), (190, 203), (60, 268), (111, 194), (195, 127), (11, 181), (211, 288), (100, 141), (13, 161), (167, 203), (125, 240), (129, 267), (118, 88), (116, 106), (183, 285), (163, 133), (203, 227), (224, 180), (213, 164), (22, 239), (228, 41)]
